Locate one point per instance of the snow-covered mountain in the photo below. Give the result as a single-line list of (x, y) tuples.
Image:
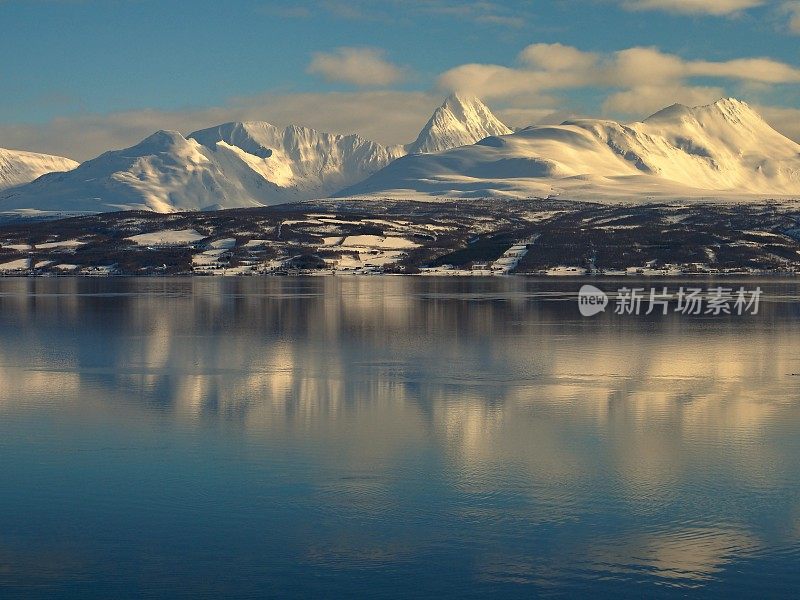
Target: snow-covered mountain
[(163, 173), (238, 165), (299, 162), (231, 166), (18, 167), (460, 121), (722, 150)]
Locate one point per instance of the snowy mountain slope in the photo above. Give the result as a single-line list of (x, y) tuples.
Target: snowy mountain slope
[(163, 173), (237, 165), (460, 121), (18, 167), (302, 161), (724, 149), (231, 166)]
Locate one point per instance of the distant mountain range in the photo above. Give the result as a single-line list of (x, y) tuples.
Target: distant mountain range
[(724, 150), (237, 165)]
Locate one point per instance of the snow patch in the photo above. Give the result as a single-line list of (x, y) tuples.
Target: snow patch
[(376, 241), (167, 237), (22, 264), (60, 244), (225, 244)]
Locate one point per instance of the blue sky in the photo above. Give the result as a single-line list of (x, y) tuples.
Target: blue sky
[(80, 76)]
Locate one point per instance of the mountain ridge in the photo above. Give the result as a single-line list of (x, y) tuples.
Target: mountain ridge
[(18, 167), (238, 164), (725, 148)]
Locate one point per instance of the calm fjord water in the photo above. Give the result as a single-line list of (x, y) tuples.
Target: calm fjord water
[(391, 436)]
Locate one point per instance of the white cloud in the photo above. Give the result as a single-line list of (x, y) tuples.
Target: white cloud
[(636, 72), (638, 66), (643, 66), (639, 81), (389, 117), (557, 57), (480, 12), (364, 67), (495, 81), (792, 10), (708, 7), (763, 70), (647, 99), (499, 20), (519, 117)]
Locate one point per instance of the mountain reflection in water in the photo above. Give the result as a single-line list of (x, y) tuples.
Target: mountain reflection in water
[(295, 436)]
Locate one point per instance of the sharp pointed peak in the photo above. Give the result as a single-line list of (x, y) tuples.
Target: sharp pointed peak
[(460, 103), (462, 119), (461, 98)]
